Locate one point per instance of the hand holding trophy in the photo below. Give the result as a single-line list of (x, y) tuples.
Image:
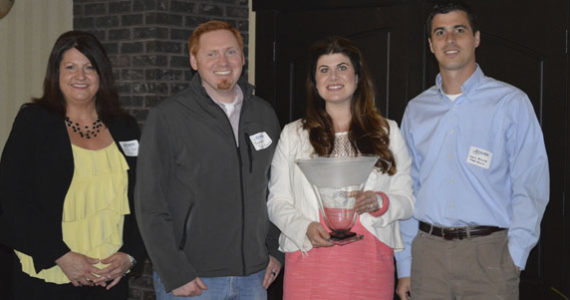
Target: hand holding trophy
[(337, 181)]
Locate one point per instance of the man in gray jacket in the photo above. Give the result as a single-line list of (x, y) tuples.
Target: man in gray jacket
[(202, 179)]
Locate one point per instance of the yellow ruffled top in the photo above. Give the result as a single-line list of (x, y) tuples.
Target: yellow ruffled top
[(93, 211)]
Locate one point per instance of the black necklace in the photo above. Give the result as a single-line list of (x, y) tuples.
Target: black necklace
[(89, 132)]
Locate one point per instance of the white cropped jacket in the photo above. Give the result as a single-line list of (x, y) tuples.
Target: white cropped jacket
[(292, 204)]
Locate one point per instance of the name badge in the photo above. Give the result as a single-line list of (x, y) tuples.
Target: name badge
[(130, 148), (479, 157), (260, 140)]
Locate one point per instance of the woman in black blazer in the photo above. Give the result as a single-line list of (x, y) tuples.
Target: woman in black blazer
[(48, 208)]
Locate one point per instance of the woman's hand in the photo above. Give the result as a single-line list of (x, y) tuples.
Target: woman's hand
[(366, 202), (118, 264), (318, 235), (78, 268)]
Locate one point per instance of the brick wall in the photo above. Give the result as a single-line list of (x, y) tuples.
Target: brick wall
[(147, 43)]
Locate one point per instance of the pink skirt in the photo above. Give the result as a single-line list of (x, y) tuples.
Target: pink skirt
[(359, 270)]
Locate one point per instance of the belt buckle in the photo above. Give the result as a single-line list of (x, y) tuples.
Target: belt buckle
[(445, 235), (451, 234)]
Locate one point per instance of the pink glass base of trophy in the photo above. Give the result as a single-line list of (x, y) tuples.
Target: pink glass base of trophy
[(337, 182), (337, 209), (340, 221)]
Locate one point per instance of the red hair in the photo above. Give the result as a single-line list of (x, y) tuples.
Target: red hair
[(194, 39)]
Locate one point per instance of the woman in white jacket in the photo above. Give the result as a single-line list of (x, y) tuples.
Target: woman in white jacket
[(341, 120)]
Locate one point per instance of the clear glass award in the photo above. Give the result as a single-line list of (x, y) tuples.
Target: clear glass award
[(337, 181)]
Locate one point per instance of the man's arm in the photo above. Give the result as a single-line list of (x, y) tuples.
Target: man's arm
[(530, 180), (409, 227), (276, 257), (153, 215), (272, 243), (272, 239)]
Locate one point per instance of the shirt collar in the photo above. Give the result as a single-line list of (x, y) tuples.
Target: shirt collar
[(468, 86), (238, 99)]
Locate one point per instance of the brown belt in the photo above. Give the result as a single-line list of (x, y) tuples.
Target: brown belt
[(458, 233)]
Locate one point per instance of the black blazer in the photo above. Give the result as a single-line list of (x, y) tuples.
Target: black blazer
[(35, 174)]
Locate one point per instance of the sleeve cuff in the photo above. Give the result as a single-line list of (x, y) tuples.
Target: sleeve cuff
[(403, 263), (379, 198), (519, 256), (403, 268)]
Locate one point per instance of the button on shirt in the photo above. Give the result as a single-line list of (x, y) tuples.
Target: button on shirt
[(478, 160)]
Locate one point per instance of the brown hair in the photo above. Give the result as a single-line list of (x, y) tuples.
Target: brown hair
[(369, 132), (107, 97), (194, 39)]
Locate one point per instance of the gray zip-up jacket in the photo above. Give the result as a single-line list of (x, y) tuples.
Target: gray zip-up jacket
[(200, 199)]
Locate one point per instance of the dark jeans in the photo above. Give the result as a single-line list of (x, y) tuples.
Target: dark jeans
[(230, 287)]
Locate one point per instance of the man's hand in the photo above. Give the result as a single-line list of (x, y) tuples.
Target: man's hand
[(192, 288), (404, 288), (78, 268), (318, 235), (271, 272)]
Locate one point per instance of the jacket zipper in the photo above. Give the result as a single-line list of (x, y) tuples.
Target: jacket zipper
[(240, 162), (249, 154), (242, 210)]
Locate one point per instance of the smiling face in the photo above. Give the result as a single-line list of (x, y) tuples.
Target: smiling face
[(219, 61), (453, 42), (335, 78), (78, 79)]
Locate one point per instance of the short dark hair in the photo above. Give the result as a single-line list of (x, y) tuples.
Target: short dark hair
[(443, 7), (107, 97)]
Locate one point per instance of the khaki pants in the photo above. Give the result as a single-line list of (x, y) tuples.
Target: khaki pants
[(472, 268)]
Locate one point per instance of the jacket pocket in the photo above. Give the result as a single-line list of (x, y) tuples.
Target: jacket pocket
[(185, 229)]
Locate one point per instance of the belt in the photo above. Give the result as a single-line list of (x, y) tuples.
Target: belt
[(458, 233)]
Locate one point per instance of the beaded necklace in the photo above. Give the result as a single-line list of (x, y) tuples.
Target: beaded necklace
[(89, 132)]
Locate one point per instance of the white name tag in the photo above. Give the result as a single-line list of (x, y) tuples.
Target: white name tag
[(479, 157), (130, 148), (260, 140)]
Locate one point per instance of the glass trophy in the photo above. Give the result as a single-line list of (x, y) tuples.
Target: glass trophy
[(337, 181)]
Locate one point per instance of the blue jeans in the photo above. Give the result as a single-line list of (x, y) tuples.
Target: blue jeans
[(230, 287)]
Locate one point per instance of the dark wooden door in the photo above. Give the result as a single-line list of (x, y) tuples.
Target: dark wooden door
[(522, 42), (385, 31)]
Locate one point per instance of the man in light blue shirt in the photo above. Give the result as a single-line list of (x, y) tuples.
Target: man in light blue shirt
[(480, 174)]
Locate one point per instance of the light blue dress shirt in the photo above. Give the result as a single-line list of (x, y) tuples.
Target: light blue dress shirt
[(478, 160)]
